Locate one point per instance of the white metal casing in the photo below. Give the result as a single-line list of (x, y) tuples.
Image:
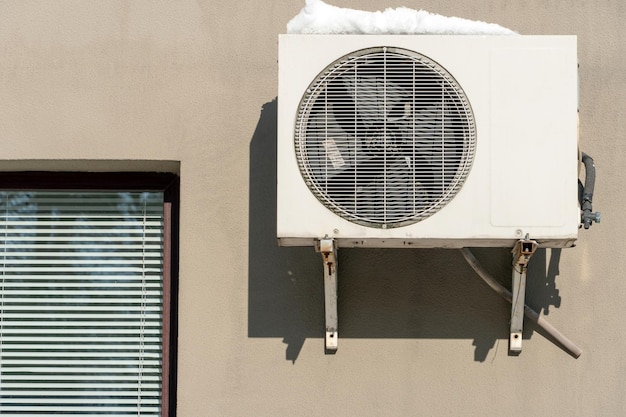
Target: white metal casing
[(523, 91)]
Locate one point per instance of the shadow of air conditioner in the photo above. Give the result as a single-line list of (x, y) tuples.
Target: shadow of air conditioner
[(383, 293)]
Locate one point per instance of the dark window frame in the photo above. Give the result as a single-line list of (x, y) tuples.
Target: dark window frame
[(169, 184)]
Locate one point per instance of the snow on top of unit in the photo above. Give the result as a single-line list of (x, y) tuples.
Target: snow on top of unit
[(318, 17)]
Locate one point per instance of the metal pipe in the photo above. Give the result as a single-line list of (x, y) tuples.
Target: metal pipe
[(567, 344)]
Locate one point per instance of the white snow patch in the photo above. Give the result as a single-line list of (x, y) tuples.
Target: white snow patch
[(318, 17)]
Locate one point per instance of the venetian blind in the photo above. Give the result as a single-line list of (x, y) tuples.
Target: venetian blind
[(81, 303)]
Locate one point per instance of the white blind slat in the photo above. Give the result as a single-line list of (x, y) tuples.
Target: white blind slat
[(81, 293)]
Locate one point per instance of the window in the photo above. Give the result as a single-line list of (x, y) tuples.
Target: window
[(86, 290)]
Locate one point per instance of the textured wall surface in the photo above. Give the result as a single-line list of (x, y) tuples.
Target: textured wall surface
[(195, 82)]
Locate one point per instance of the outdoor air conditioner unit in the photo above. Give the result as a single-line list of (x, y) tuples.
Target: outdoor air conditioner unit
[(427, 141)]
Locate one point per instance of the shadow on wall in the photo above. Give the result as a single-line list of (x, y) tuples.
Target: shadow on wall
[(383, 293)]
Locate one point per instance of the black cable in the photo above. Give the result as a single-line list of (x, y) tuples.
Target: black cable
[(588, 216)]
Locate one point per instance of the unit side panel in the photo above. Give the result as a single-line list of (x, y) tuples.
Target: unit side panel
[(534, 137)]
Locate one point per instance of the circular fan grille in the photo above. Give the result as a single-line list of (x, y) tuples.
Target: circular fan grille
[(384, 137)]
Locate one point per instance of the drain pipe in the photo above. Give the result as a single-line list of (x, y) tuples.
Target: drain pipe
[(567, 344)]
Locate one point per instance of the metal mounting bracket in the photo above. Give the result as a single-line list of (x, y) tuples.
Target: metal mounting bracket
[(328, 248), (522, 252)]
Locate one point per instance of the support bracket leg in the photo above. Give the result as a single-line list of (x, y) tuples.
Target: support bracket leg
[(522, 252), (328, 248)]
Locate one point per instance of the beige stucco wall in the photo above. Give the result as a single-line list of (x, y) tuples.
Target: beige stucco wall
[(152, 83)]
